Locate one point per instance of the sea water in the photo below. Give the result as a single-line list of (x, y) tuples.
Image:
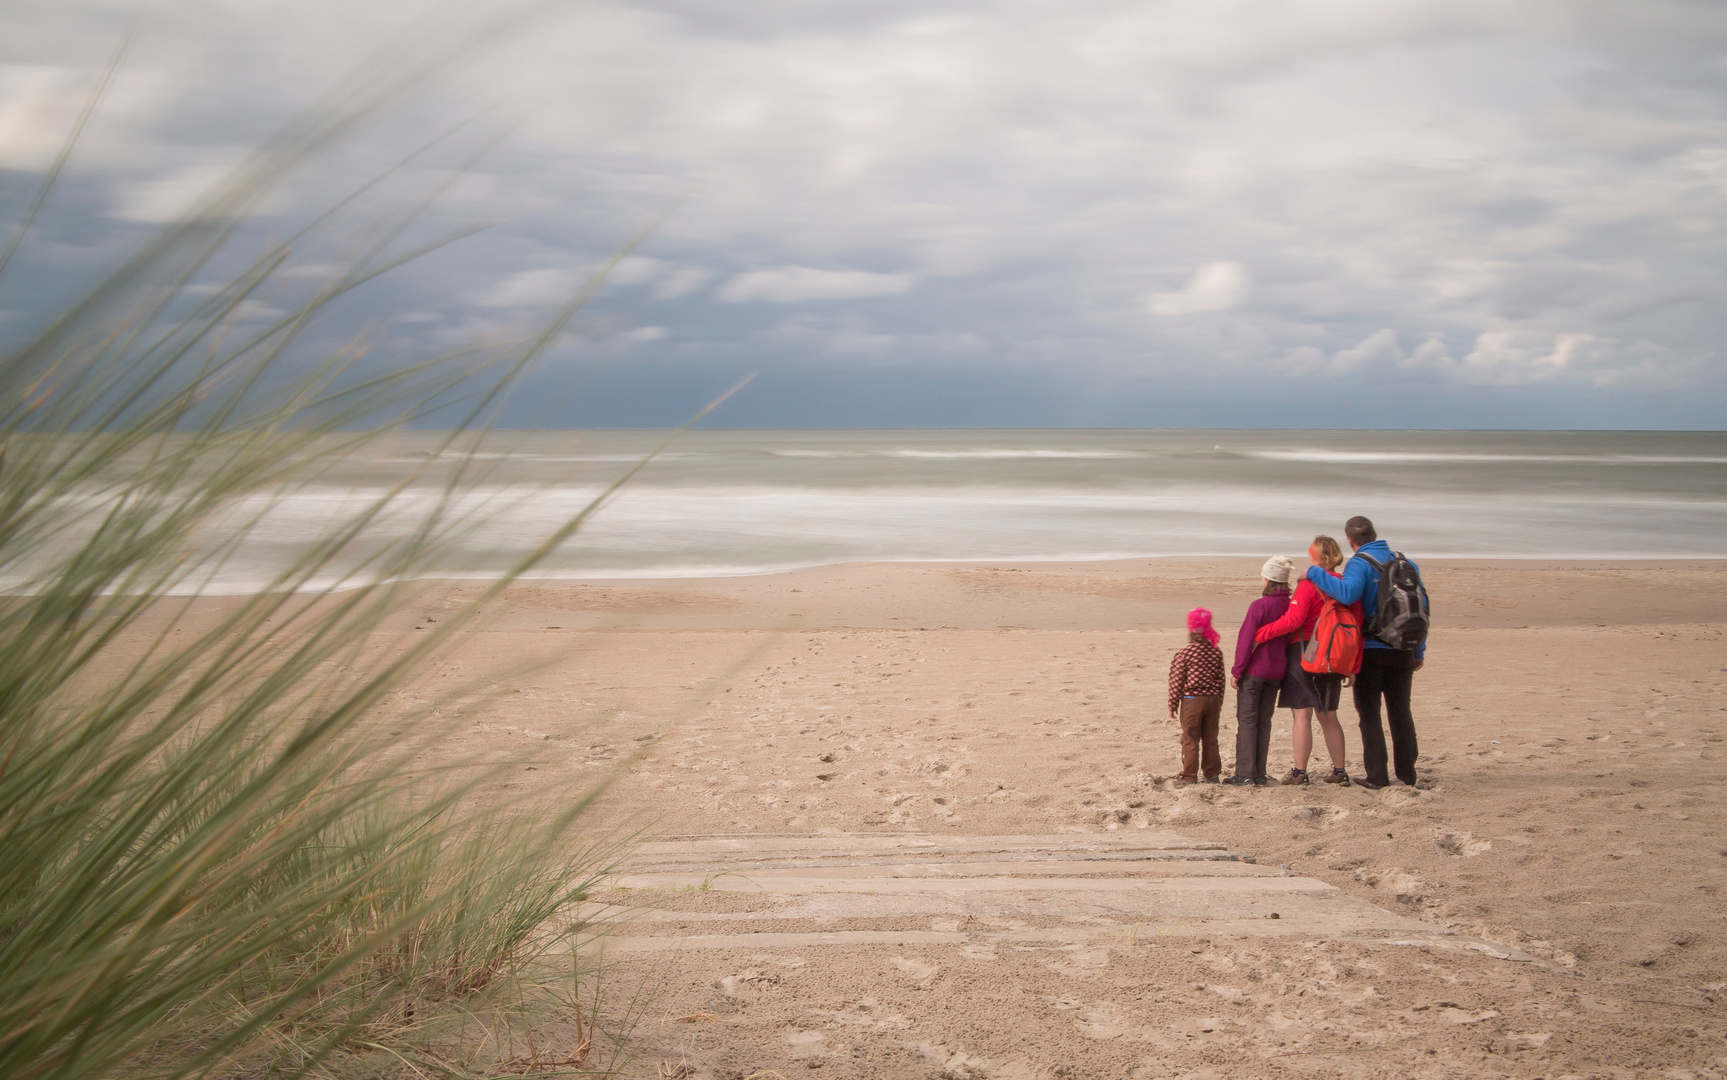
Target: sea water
[(748, 502)]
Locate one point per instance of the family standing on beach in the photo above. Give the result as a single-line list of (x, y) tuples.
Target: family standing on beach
[(1363, 621)]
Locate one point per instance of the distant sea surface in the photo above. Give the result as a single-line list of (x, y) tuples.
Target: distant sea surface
[(747, 502)]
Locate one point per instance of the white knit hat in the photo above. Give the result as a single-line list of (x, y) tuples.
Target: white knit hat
[(1278, 568)]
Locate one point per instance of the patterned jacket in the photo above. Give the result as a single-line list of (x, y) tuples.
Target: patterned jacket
[(1196, 671)]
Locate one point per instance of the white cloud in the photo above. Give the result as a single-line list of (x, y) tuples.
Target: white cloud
[(784, 284), (313, 270), (531, 288), (641, 335), (682, 281), (1216, 286), (1506, 356), (636, 270), (805, 334), (255, 310), (851, 336), (1511, 357), (168, 197), (1431, 354), (38, 104), (556, 285), (1379, 347)]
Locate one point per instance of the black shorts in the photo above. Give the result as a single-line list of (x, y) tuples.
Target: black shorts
[(1302, 689)]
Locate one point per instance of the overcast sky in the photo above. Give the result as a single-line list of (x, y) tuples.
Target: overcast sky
[(1312, 213)]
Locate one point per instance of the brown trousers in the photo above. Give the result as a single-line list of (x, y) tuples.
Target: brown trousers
[(1199, 717)]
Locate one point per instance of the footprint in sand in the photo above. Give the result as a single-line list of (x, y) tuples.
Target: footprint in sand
[(920, 972), (1081, 963), (805, 1044), (868, 1013), (1461, 843), (746, 985), (1404, 886), (1105, 1020), (1319, 815)]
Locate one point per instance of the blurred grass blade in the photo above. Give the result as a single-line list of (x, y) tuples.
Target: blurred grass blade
[(215, 856)]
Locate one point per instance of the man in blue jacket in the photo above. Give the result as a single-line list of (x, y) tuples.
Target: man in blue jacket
[(1385, 672)]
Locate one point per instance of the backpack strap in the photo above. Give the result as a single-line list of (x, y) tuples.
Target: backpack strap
[(1369, 619)]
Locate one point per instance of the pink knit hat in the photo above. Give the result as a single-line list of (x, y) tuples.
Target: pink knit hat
[(1199, 622)]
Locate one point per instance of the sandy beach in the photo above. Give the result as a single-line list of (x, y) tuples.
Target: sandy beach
[(1571, 794)]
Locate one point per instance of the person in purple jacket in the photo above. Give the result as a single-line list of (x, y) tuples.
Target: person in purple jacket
[(1258, 672)]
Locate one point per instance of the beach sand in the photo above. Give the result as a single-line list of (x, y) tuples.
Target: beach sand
[(1573, 782)]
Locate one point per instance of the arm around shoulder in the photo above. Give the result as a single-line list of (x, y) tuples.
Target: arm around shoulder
[(1347, 589), (1294, 618)]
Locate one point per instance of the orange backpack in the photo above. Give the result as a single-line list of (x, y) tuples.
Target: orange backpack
[(1335, 647)]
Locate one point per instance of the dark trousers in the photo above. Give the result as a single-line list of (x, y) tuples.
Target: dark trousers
[(1255, 701), (1388, 674), (1199, 717)]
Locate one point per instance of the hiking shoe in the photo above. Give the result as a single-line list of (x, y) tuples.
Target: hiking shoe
[(1211, 779), (1296, 776), (1260, 781), (1370, 785), (1338, 776), (1236, 781), (1179, 782)]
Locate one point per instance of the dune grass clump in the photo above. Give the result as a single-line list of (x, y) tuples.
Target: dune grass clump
[(222, 850)]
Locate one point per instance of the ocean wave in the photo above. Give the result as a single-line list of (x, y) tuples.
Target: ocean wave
[(761, 502), (1419, 457), (458, 456), (979, 454), (1007, 455), (242, 582)]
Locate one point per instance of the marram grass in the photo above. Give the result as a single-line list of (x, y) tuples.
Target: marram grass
[(215, 856)]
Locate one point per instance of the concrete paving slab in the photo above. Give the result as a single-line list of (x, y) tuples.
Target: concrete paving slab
[(1054, 891)]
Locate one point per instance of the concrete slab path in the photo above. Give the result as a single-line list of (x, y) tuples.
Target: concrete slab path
[(765, 892), (1033, 957)]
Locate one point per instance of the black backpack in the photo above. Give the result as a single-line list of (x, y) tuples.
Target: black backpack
[(1399, 618)]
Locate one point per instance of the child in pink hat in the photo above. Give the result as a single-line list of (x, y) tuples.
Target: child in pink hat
[(1196, 699)]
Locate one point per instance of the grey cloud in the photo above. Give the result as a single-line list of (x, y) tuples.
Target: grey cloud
[(682, 281), (1482, 195), (531, 288), (1216, 286), (785, 284)]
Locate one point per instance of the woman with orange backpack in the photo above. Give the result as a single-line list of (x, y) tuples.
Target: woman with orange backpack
[(1325, 652)]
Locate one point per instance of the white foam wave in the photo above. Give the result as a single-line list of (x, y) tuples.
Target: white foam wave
[(979, 454), (457, 456), (1394, 457), (1008, 455)]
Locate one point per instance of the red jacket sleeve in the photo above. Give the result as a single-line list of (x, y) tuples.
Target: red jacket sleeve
[(1306, 599), (1177, 678)]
